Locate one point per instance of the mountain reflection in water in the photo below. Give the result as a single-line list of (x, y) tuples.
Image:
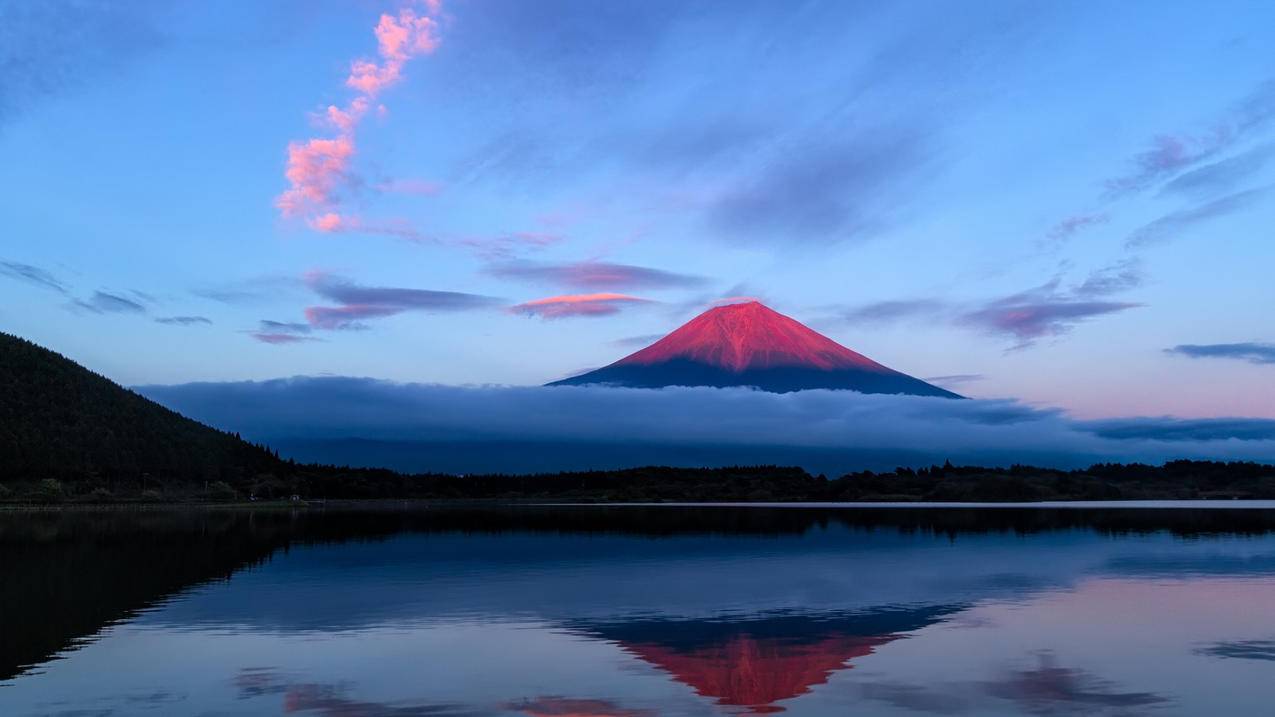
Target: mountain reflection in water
[(635, 611)]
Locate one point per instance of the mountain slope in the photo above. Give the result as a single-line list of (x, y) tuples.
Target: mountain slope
[(750, 344), (60, 420)]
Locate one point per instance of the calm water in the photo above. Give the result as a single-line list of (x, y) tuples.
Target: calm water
[(630, 612)]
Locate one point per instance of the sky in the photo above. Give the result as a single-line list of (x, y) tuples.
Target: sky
[(1067, 205)]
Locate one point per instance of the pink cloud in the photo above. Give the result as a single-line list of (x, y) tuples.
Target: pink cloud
[(334, 223), (507, 245), (567, 305), (346, 317), (399, 39), (345, 119), (318, 168), (315, 168)]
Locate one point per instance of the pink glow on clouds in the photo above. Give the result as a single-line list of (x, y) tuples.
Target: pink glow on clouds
[(346, 317), (728, 300), (568, 305), (318, 168), (315, 167)]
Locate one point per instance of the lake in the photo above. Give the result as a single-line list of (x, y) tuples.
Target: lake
[(637, 611)]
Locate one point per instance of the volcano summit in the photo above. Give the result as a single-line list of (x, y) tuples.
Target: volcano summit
[(750, 344)]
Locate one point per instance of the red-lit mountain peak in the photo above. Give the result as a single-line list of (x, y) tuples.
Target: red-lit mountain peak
[(750, 345), (740, 337)]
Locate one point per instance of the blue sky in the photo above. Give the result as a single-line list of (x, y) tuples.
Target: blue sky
[(1041, 200)]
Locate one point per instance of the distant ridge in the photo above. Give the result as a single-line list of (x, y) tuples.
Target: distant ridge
[(749, 344)]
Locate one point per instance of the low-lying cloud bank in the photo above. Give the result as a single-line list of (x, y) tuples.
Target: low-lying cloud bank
[(425, 427)]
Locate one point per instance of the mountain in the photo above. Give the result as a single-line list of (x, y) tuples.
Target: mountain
[(59, 420), (749, 344)]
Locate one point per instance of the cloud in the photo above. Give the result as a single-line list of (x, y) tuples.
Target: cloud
[(183, 320), (1051, 311), (1263, 650), (49, 48), (560, 307), (266, 337), (1223, 175), (891, 311), (594, 275), (1170, 154), (1121, 276), (289, 327), (574, 707), (315, 169), (1064, 229), (32, 275), (357, 302), (1027, 317), (1172, 224), (821, 192), (634, 341), (1049, 689), (256, 290), (102, 302), (319, 168), (332, 700), (1183, 429), (418, 187), (832, 430), (1251, 352), (955, 379), (506, 245), (281, 332)]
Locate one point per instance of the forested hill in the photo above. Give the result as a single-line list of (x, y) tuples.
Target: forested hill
[(60, 421)]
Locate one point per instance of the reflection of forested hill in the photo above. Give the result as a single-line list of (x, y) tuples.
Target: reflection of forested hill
[(67, 574)]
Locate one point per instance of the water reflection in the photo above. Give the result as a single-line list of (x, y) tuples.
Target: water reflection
[(635, 612), (757, 662)]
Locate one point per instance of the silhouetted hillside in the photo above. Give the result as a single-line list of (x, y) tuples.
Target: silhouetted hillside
[(60, 421)]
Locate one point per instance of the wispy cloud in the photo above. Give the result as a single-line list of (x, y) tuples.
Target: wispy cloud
[(822, 192), (1182, 429), (1121, 276), (1251, 352), (1223, 175), (956, 379), (49, 48), (1066, 228), (594, 275), (183, 320), (281, 332), (1041, 312), (1171, 225), (571, 305), (102, 302), (635, 341), (356, 302), (974, 431), (1171, 154), (897, 310), (319, 168), (255, 290), (32, 275), (1051, 309)]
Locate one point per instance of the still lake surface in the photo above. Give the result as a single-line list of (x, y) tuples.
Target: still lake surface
[(638, 611)]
